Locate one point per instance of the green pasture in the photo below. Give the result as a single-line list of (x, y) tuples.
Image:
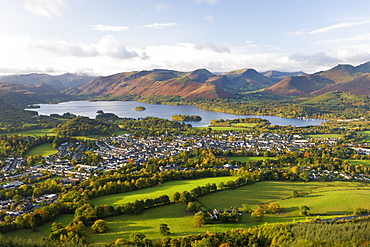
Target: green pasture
[(244, 158), (323, 136), (334, 198), (325, 199), (120, 132), (360, 162), (367, 133), (179, 221), (333, 201), (44, 149), (223, 128), (42, 231), (36, 132), (167, 188), (245, 125)]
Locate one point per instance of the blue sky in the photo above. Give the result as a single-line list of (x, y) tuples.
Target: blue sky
[(103, 37)]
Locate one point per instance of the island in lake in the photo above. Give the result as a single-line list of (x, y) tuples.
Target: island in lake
[(140, 108), (194, 118)]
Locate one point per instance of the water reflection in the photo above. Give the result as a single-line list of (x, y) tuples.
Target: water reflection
[(126, 109)]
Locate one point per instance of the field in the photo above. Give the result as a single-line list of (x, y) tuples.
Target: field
[(179, 221), (323, 136), (167, 188), (360, 162), (43, 230), (245, 125), (224, 128), (244, 158), (36, 133), (44, 149), (367, 133), (329, 198), (120, 132), (325, 199)]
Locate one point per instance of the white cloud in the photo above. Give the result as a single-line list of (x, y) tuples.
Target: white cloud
[(317, 59), (45, 8), (209, 18), (109, 55), (205, 45), (111, 47), (330, 28), (160, 6), (101, 27), (159, 25)]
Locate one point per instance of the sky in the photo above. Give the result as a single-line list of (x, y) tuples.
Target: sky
[(104, 37)]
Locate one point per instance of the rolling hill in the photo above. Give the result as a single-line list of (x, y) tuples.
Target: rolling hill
[(155, 82), (298, 85), (58, 82), (346, 78), (199, 83), (359, 86)]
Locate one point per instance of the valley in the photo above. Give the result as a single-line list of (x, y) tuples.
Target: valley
[(253, 159)]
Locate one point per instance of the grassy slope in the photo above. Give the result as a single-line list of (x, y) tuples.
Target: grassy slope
[(36, 132), (329, 198), (360, 162), (323, 136), (179, 221), (244, 158), (44, 149), (324, 197), (43, 230), (167, 188), (223, 128), (367, 133)]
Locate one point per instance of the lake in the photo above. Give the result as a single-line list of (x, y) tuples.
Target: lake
[(126, 109)]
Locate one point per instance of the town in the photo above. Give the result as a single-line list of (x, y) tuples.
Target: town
[(116, 152)]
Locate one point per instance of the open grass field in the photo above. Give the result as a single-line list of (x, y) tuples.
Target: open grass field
[(44, 149), (367, 133), (245, 125), (360, 162), (326, 199), (120, 132), (334, 198), (244, 158), (224, 128), (167, 188), (323, 136), (179, 221), (36, 133), (42, 231)]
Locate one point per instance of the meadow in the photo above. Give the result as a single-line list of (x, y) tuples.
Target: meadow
[(360, 162), (42, 231), (44, 149), (223, 128), (35, 133), (167, 188), (325, 199), (244, 158), (367, 135), (328, 200), (323, 136), (245, 125)]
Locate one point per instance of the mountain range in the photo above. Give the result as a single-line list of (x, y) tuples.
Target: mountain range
[(59, 82), (346, 78), (199, 83)]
